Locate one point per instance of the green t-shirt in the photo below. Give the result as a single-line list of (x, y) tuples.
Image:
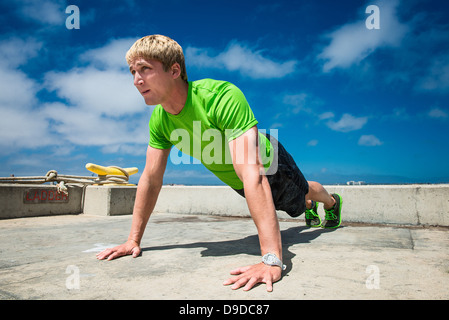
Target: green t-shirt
[(215, 113)]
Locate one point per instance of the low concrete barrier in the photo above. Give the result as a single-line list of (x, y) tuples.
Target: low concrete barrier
[(19, 201), (385, 204), (395, 204), (109, 200)]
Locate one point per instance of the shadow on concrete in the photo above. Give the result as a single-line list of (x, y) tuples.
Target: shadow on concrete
[(250, 244)]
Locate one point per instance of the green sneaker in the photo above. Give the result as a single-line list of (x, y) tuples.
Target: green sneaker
[(333, 215), (312, 218)]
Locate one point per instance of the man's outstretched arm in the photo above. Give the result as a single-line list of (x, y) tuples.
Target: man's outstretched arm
[(261, 206), (150, 184)]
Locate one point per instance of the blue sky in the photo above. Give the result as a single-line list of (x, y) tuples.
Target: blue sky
[(349, 103)]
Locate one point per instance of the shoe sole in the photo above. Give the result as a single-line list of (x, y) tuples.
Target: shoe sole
[(314, 226), (339, 213)]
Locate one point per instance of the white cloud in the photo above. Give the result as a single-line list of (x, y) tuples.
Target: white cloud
[(97, 108), (437, 76), (21, 124), (301, 102), (102, 107), (135, 150), (44, 11), (277, 125), (369, 141), (15, 52), (105, 86), (81, 127), (347, 123), (438, 113), (17, 90), (112, 55), (23, 129), (326, 115), (238, 57), (353, 42), (296, 103), (108, 92)]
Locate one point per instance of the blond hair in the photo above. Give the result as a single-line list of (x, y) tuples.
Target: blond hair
[(160, 48)]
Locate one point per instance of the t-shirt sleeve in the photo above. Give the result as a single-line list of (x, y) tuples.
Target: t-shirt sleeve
[(157, 138), (233, 113)]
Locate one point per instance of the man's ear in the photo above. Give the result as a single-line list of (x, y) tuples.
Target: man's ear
[(176, 70)]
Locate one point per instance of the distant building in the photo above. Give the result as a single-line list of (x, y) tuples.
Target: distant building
[(355, 183)]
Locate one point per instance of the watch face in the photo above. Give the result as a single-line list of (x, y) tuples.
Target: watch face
[(270, 259)]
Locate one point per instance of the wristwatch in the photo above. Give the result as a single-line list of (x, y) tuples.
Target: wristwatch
[(270, 259)]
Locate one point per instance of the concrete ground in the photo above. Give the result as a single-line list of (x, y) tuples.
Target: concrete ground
[(189, 256)]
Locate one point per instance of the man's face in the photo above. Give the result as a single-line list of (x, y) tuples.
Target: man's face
[(153, 83)]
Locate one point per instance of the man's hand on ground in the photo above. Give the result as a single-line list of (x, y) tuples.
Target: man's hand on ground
[(251, 275), (128, 248)]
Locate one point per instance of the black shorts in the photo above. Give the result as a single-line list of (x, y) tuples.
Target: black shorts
[(288, 185)]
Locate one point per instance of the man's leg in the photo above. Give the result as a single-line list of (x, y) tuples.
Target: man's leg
[(319, 194), (293, 194), (332, 204)]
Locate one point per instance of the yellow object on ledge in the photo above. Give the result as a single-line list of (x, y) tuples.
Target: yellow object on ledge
[(112, 173)]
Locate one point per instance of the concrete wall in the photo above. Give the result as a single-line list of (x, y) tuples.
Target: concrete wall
[(397, 204), (109, 200), (19, 201), (391, 204), (221, 201)]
